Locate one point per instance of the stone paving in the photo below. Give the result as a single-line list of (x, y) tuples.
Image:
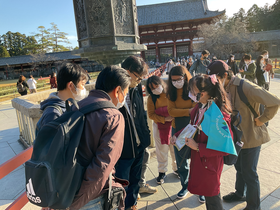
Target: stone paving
[(13, 185)]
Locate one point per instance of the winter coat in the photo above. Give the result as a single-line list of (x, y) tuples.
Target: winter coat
[(52, 108), (25, 85), (250, 74), (99, 149), (253, 136), (206, 164), (199, 67), (138, 116), (234, 68)]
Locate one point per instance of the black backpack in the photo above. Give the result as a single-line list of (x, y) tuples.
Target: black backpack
[(235, 122), (53, 175)]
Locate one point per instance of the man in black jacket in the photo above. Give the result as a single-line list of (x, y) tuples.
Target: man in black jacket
[(137, 133)]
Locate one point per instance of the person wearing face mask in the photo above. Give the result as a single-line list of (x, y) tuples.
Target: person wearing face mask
[(232, 64), (255, 133), (200, 65), (71, 82), (250, 70), (260, 71), (102, 139), (180, 105), (206, 164), (267, 67), (157, 111), (134, 159)]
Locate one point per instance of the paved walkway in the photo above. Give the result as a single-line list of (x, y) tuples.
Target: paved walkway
[(269, 171)]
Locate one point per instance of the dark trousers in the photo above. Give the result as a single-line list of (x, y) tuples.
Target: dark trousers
[(182, 165), (214, 203), (183, 168), (247, 177), (130, 169)]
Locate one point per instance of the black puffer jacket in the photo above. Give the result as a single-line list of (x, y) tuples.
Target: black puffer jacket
[(140, 119)]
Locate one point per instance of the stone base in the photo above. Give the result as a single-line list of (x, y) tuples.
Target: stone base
[(110, 54)]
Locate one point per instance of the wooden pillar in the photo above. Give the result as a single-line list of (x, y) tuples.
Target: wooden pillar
[(157, 53), (191, 47), (174, 50)]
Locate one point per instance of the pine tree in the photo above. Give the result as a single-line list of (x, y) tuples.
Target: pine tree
[(3, 52)]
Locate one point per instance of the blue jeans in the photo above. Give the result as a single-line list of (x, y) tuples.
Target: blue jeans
[(247, 177), (130, 169), (95, 204)]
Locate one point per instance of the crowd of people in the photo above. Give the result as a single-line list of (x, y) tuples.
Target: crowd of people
[(116, 139)]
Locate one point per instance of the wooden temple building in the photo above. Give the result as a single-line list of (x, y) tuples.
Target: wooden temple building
[(169, 29)]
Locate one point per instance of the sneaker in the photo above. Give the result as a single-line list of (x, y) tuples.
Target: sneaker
[(132, 207), (201, 199), (147, 189), (233, 197), (183, 193), (176, 173), (160, 178)]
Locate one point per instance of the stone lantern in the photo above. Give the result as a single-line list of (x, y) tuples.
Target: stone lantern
[(107, 30)]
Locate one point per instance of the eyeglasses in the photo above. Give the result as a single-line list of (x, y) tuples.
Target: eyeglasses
[(138, 78)]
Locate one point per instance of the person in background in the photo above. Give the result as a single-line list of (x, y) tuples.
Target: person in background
[(267, 67), (137, 133), (255, 133), (205, 177), (157, 111), (178, 63), (180, 106), (260, 71), (242, 64), (249, 72), (22, 86), (214, 58), (200, 65), (169, 66), (232, 64), (71, 82), (189, 63), (53, 81), (32, 84)]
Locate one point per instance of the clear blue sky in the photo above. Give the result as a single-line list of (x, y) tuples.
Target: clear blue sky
[(25, 16)]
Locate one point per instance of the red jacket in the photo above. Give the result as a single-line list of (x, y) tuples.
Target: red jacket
[(206, 165), (164, 129)]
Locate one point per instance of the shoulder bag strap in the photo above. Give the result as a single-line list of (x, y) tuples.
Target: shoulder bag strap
[(96, 106), (244, 98)]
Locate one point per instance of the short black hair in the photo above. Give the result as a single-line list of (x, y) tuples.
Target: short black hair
[(264, 52), (247, 57), (30, 76), (135, 64), (112, 77), (205, 52), (70, 72)]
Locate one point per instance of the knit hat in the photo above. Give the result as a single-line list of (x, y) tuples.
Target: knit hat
[(218, 67)]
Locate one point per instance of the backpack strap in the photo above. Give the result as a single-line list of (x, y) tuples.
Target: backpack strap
[(58, 108), (244, 98), (96, 106), (68, 107)]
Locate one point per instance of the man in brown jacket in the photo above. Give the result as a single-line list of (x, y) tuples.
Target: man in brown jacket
[(254, 132), (102, 139)]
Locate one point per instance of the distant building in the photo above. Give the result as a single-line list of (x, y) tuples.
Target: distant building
[(169, 29), (41, 64)]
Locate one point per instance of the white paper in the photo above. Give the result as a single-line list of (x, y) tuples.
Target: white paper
[(188, 132), (266, 76)]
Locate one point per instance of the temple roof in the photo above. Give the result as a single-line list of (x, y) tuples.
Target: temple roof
[(262, 36), (27, 59), (175, 12)]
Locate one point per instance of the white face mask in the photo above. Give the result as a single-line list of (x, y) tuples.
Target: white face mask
[(158, 90), (178, 84), (266, 56), (191, 96), (81, 94), (247, 62), (120, 105), (232, 59)]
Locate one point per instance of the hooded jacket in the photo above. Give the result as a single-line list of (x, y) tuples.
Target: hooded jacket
[(52, 108)]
